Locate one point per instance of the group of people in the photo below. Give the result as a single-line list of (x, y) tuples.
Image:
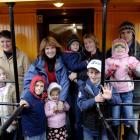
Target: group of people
[(62, 90)]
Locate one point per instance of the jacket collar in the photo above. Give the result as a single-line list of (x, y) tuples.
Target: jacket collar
[(91, 88), (40, 63), (2, 54)]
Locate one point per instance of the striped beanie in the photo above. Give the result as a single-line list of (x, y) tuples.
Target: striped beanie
[(127, 25)]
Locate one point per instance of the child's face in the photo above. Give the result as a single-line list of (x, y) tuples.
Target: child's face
[(2, 75), (55, 94), (74, 46), (39, 88), (94, 75), (119, 49), (90, 45)]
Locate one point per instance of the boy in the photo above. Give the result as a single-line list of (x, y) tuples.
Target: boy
[(33, 115), (89, 95)]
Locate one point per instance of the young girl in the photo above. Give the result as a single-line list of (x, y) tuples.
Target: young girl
[(121, 66), (7, 94), (33, 115), (56, 119)]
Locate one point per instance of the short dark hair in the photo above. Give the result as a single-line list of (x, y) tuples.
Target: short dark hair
[(6, 34)]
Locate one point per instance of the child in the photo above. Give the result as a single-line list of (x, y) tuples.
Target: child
[(33, 115), (7, 94), (56, 120), (89, 95), (74, 56), (121, 66)]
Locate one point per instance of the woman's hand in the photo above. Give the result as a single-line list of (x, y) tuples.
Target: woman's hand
[(73, 76)]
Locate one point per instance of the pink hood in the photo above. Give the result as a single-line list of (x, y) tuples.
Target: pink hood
[(122, 42)]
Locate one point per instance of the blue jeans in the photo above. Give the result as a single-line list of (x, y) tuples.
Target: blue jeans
[(125, 111), (38, 137), (94, 135)]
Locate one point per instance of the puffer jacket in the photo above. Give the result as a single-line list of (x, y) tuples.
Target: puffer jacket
[(121, 72)]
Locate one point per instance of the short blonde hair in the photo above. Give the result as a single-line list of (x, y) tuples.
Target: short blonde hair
[(49, 40), (93, 37)]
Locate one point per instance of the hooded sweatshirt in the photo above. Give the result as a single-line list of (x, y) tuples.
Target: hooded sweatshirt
[(122, 61), (33, 117)]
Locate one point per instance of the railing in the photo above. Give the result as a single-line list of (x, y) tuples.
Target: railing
[(19, 109)]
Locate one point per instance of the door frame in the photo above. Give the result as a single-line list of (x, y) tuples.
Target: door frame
[(64, 16)]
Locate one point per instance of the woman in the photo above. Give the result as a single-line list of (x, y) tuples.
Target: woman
[(6, 58), (50, 66)]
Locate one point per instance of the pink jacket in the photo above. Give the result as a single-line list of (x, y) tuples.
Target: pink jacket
[(55, 120), (122, 64)]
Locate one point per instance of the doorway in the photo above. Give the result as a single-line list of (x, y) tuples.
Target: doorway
[(62, 23)]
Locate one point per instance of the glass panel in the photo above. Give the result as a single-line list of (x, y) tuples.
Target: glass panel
[(63, 31)]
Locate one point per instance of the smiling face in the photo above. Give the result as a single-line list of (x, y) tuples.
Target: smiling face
[(119, 49), (39, 87), (90, 45), (50, 51), (6, 44), (94, 75), (55, 94)]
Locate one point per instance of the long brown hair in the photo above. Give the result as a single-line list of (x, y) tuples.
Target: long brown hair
[(49, 40)]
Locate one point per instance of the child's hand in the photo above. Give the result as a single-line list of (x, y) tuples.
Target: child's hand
[(112, 69), (60, 106), (25, 103), (107, 91), (131, 68), (99, 98), (55, 109)]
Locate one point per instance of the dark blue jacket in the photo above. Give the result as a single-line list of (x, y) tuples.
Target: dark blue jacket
[(33, 118), (72, 61), (87, 104)]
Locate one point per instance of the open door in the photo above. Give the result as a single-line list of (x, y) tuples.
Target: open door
[(62, 23)]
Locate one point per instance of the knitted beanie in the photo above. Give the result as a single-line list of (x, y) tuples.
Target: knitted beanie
[(127, 25), (71, 39)]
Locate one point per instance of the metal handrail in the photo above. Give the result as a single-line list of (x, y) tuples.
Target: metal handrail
[(9, 104), (11, 118), (122, 80)]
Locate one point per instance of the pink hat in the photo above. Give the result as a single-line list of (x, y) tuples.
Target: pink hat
[(119, 41)]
